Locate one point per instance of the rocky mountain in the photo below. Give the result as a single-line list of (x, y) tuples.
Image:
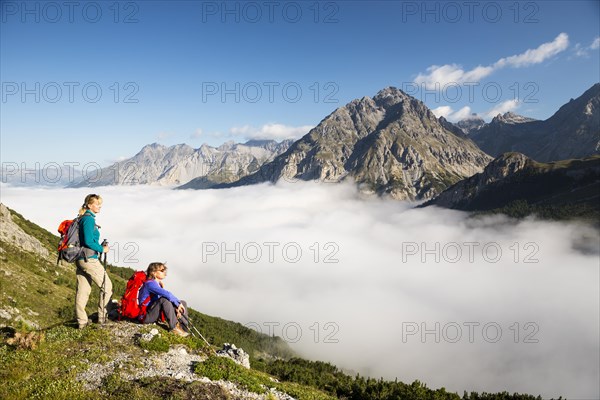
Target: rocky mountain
[(179, 164), (572, 132), (470, 124), (388, 144), (568, 188)]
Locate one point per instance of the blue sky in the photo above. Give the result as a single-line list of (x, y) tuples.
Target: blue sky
[(207, 72)]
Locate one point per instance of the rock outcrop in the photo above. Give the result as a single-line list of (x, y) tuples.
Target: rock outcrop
[(515, 177), (12, 233), (238, 355)]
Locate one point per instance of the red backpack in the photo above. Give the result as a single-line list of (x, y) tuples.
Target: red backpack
[(130, 308)]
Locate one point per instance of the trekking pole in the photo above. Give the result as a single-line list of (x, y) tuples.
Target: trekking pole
[(104, 243), (103, 289), (194, 328)]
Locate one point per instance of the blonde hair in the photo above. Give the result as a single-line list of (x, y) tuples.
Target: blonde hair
[(153, 268), (89, 199)]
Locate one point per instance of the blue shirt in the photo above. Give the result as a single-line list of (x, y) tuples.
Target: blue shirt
[(152, 288)]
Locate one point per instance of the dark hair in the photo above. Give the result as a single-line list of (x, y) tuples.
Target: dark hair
[(154, 268)]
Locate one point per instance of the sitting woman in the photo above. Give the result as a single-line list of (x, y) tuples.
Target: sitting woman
[(162, 301)]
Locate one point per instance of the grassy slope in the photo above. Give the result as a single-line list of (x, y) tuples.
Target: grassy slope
[(561, 190), (44, 292), (40, 285)]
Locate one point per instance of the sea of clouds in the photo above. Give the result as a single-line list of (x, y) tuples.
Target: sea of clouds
[(369, 284)]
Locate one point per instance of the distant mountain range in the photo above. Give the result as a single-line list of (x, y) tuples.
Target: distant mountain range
[(179, 164), (572, 132), (389, 144)]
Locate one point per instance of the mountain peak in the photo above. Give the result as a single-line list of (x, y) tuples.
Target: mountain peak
[(511, 118), (390, 96), (572, 132), (587, 104), (471, 123), (389, 144), (154, 145), (151, 149), (228, 145), (390, 91)]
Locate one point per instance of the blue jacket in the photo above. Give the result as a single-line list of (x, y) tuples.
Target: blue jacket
[(89, 235), (152, 288)]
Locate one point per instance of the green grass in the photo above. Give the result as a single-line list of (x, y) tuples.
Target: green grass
[(50, 370), (222, 368), (218, 331)]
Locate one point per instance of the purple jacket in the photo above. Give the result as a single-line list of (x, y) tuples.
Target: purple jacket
[(152, 288)]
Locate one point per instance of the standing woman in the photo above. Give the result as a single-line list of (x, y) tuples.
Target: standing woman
[(89, 268)]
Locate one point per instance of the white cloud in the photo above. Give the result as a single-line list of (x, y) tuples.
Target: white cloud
[(442, 111), (448, 113), (536, 56), (198, 133), (439, 76), (271, 131), (583, 51), (580, 51), (380, 285), (160, 136), (463, 113), (121, 158), (505, 106)]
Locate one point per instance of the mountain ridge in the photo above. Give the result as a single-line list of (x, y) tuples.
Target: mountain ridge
[(517, 185), (390, 144), (178, 164), (573, 131)]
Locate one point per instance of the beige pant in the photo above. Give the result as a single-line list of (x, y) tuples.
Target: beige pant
[(88, 272)]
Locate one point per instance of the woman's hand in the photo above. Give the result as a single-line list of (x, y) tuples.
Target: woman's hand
[(180, 310), (105, 249)]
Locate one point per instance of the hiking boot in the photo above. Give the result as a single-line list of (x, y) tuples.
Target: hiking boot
[(180, 332), (82, 326)]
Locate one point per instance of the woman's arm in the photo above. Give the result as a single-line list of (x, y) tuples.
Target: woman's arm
[(154, 287)]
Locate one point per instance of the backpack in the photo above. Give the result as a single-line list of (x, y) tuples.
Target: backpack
[(69, 248), (130, 308)]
